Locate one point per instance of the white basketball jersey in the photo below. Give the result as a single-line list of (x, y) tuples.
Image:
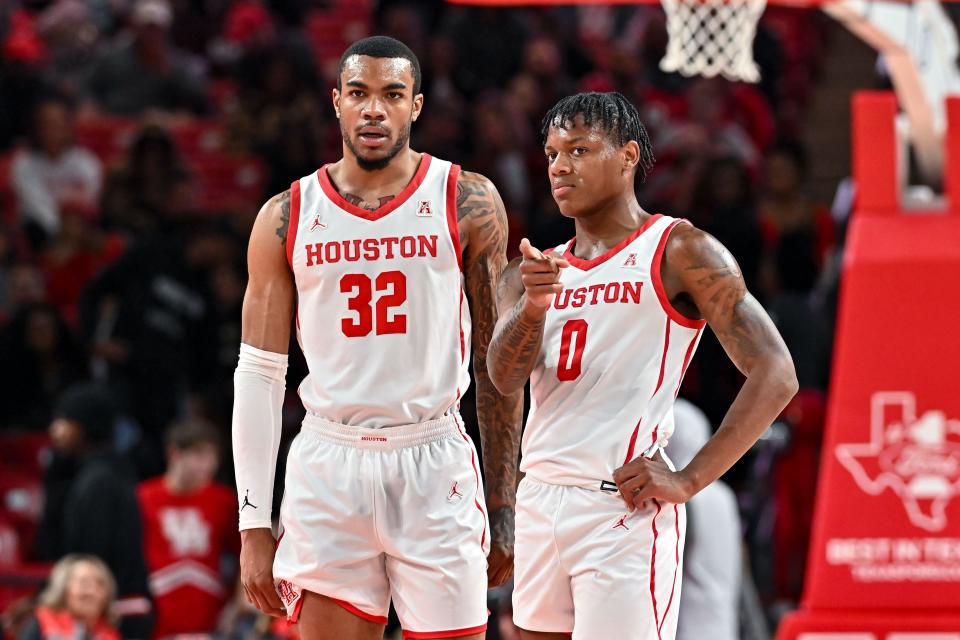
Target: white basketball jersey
[(613, 355), (381, 316)]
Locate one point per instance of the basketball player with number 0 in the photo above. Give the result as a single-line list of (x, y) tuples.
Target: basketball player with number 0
[(604, 326)]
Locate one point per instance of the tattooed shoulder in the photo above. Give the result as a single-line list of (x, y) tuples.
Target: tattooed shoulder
[(281, 203), (697, 258), (480, 210), (697, 270), (471, 188)]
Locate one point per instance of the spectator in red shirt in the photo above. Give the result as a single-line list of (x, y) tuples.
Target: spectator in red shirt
[(190, 525), (74, 258)]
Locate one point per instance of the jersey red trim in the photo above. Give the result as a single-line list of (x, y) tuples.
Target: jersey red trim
[(633, 442), (454, 227), (653, 570), (294, 224), (663, 363), (452, 213), (585, 265), (453, 633), (463, 345), (373, 216), (674, 315), (663, 358), (686, 360), (473, 461), (676, 568), (357, 612)]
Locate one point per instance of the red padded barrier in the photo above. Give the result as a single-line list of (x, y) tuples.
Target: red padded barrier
[(885, 553)]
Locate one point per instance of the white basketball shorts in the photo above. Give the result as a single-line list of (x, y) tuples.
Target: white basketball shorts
[(587, 566), (374, 514)]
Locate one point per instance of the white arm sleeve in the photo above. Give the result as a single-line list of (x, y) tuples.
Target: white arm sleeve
[(258, 385)]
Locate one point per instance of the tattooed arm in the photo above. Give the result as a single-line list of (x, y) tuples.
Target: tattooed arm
[(268, 301), (524, 294), (267, 313), (483, 236), (703, 279)]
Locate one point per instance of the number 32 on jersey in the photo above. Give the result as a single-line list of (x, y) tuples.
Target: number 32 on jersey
[(360, 286)]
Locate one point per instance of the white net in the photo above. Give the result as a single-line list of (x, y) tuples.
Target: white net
[(712, 37)]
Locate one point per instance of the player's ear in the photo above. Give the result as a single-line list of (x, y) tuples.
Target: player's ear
[(336, 102), (417, 106), (630, 152)]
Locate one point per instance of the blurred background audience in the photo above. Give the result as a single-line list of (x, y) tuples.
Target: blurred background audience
[(138, 139)]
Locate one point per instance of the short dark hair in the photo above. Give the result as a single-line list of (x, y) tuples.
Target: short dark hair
[(382, 47), (91, 406), (612, 113), (189, 433)]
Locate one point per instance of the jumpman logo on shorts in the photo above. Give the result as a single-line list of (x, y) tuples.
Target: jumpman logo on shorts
[(454, 492), (246, 501), (621, 523)]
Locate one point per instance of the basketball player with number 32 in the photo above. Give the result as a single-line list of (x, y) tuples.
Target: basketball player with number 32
[(388, 261)]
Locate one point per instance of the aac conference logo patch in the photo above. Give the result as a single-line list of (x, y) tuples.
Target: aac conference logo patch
[(916, 457)]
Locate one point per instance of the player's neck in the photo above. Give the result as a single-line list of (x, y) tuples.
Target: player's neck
[(608, 226), (349, 177)]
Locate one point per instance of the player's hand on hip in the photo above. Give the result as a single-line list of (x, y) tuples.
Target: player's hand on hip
[(540, 275), (257, 551), (644, 479), (500, 560)]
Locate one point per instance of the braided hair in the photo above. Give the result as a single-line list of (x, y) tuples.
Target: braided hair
[(610, 112)]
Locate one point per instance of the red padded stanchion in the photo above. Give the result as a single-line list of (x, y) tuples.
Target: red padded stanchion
[(885, 555), (951, 178), (875, 153)]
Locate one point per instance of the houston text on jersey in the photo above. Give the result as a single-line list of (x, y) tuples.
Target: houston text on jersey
[(371, 249), (604, 292)]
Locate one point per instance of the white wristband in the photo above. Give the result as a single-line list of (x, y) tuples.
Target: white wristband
[(258, 384)]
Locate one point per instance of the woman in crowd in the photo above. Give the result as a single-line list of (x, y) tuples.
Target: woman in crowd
[(76, 604)]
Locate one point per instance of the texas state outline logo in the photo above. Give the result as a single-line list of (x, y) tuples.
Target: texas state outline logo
[(917, 457)]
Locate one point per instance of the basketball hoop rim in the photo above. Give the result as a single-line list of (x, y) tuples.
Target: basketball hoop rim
[(793, 4)]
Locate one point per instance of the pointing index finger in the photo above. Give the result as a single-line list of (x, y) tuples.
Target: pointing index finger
[(529, 251)]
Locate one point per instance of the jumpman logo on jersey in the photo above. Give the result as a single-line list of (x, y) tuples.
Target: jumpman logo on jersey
[(631, 260), (454, 493), (246, 501), (317, 224), (621, 523)]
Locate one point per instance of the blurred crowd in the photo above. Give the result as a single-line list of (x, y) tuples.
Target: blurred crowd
[(138, 139)]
